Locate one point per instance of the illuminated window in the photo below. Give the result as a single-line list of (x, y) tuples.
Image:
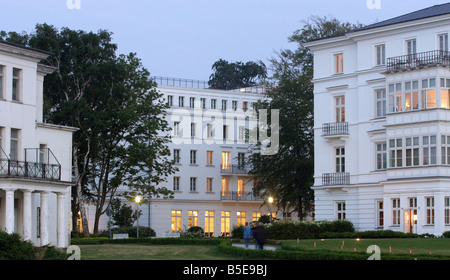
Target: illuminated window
[(241, 187), (445, 98), (428, 93), (225, 160), (225, 223), (192, 218), (209, 223), (209, 155), (338, 63), (241, 218), (340, 108), (176, 221), (225, 186), (209, 182), (255, 216)]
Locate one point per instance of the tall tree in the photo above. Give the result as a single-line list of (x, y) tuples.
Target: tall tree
[(115, 105), (236, 74), (288, 175)]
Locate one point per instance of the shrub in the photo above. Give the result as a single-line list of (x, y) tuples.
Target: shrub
[(193, 232), (237, 231), (446, 234), (13, 248), (336, 226), (292, 230), (132, 232)]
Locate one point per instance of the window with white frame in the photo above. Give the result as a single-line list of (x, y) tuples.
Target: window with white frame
[(224, 105), (14, 144), (340, 159), (176, 221), (2, 81), (429, 207), (339, 102), (203, 103), (209, 157), (443, 42), (413, 208), (411, 48), (340, 210), (380, 213), (429, 93), (170, 100), (180, 101), (429, 150), (381, 102), (193, 184), (209, 131), (176, 129), (193, 125), (209, 182), (412, 151), (16, 86), (234, 105), (192, 218), (338, 60), (395, 97), (445, 93), (213, 103), (1, 141), (191, 102), (381, 156), (396, 152), (445, 149), (193, 157), (380, 51), (176, 183), (447, 210), (176, 155), (396, 211)]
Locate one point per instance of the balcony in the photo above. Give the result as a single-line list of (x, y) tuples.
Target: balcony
[(239, 196), (42, 166), (333, 179), (418, 60), (234, 169)]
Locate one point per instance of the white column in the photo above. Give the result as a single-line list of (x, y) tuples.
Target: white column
[(61, 228), (44, 218), (9, 210), (27, 214)]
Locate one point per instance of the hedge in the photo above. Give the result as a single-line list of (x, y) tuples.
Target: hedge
[(149, 241)]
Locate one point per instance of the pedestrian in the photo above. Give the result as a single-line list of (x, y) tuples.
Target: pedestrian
[(247, 234), (260, 235)]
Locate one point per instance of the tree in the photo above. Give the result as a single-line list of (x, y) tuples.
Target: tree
[(288, 175), (236, 74), (115, 105)]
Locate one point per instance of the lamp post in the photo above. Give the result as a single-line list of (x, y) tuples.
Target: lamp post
[(270, 200), (137, 199)]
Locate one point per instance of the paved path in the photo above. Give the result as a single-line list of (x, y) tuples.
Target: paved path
[(251, 246)]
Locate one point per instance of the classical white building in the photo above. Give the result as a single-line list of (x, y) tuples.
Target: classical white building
[(382, 130), (35, 157), (209, 144)]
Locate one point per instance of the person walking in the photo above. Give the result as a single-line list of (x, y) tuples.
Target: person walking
[(260, 235), (247, 234)]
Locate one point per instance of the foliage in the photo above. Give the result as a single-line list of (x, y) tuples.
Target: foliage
[(122, 214), (336, 226), (446, 234), (236, 74), (288, 175)]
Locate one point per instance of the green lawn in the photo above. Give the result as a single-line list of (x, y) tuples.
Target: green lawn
[(438, 246), (152, 252)]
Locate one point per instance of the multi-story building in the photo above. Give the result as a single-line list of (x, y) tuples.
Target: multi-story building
[(210, 142), (382, 130), (35, 157)]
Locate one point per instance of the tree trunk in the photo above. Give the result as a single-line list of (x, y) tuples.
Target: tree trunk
[(78, 186)]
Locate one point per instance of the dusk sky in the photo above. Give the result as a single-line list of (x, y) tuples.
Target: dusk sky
[(183, 38)]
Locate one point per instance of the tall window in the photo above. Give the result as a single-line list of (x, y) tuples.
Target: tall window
[(412, 151), (447, 210), (443, 42), (340, 210), (170, 100), (209, 182), (209, 131), (1, 142), (191, 102), (225, 132), (176, 155), (181, 101), (192, 218), (429, 93), (340, 160), (429, 150), (203, 103), (338, 63), (176, 221), (193, 157), (209, 157), (381, 54), (209, 223), (241, 187), (14, 144), (411, 48), (395, 152), (225, 160), (430, 210), (193, 184), (234, 105), (224, 105), (16, 84), (340, 108), (380, 214), (381, 102), (176, 183), (445, 90), (213, 103), (445, 149), (176, 129), (396, 211), (241, 161), (193, 125), (2, 81), (225, 223), (381, 156), (241, 218), (255, 216), (413, 208), (225, 186)]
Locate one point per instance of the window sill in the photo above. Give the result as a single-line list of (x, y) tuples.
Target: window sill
[(193, 164), (210, 165)]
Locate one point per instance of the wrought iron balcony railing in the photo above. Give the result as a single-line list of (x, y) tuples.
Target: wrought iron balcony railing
[(234, 169), (417, 60), (332, 179), (239, 196), (336, 128)]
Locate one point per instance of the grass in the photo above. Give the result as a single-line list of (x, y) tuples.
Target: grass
[(152, 252), (437, 246)]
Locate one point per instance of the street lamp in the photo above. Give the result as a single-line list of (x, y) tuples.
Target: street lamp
[(137, 199)]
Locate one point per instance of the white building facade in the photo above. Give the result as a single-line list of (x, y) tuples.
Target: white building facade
[(35, 157), (382, 130), (210, 142)]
